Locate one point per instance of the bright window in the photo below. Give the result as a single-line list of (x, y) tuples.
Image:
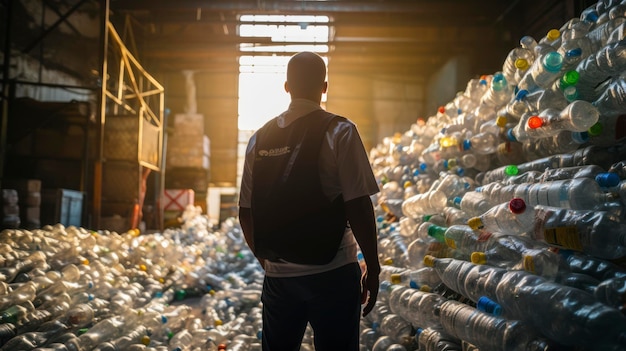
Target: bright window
[(262, 66)]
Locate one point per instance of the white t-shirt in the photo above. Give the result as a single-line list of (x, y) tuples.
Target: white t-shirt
[(344, 169)]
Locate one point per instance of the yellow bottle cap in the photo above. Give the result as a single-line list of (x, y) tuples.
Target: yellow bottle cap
[(429, 261), (553, 34), (478, 257), (145, 340), (425, 288), (475, 223), (388, 262), (396, 278), (501, 121), (521, 64)]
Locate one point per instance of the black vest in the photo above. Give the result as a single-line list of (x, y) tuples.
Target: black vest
[(292, 218)]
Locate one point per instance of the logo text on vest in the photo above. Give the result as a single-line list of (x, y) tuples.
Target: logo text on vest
[(276, 151)]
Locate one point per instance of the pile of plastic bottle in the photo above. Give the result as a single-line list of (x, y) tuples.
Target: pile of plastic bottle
[(501, 217), (188, 288)]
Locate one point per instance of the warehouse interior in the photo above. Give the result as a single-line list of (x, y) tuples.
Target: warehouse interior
[(91, 89), (495, 132)]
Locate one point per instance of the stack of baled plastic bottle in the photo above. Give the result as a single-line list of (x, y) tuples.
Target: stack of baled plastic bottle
[(186, 289), (501, 218)]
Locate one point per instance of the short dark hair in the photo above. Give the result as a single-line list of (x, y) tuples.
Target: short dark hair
[(306, 73)]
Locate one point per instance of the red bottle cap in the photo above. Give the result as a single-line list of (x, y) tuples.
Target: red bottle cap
[(517, 205), (535, 122)]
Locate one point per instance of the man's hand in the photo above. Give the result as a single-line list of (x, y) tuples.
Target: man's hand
[(369, 291)]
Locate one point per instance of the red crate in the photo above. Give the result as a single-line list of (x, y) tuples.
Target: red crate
[(178, 199)]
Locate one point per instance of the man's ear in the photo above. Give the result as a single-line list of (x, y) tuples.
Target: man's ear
[(286, 86), (325, 88)]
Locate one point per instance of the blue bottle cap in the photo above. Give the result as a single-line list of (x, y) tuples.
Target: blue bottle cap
[(608, 180), (457, 201), (521, 94), (510, 135), (592, 16), (574, 52), (487, 305), (467, 144)]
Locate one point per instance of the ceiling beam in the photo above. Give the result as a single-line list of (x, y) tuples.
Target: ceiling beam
[(440, 9)]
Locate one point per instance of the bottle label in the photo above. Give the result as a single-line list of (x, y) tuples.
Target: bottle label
[(563, 237)]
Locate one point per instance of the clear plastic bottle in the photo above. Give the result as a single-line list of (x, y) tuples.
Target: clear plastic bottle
[(511, 217), (134, 336), (489, 332), (579, 319), (482, 143), (612, 100), (499, 92), (597, 67), (422, 309), (598, 268), (430, 339), (574, 172), (543, 72), (383, 343), (577, 194), (517, 61), (424, 277), (425, 204), (578, 116), (454, 215), (473, 203), (594, 232), (102, 331), (600, 35), (563, 142), (398, 328)]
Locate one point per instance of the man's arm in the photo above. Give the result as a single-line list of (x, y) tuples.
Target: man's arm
[(245, 219), (360, 213)]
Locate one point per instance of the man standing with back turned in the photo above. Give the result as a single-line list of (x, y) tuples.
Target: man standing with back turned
[(305, 198)]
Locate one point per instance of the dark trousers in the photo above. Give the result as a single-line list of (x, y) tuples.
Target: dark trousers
[(329, 301)]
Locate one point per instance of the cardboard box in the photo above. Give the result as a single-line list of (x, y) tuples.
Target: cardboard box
[(193, 145), (188, 161), (177, 199), (189, 124)]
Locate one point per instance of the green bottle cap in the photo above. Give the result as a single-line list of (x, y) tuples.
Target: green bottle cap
[(595, 129), (437, 232), (569, 78), (511, 170)]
